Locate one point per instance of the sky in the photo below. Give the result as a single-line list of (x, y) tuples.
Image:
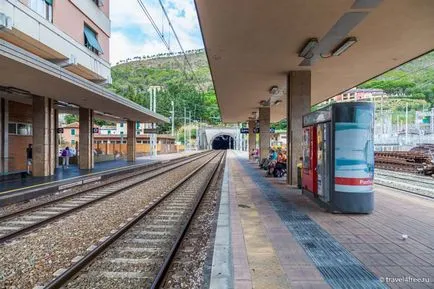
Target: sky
[(133, 35)]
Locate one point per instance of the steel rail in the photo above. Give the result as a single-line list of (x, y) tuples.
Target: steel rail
[(163, 270), (146, 169), (66, 276), (50, 219)]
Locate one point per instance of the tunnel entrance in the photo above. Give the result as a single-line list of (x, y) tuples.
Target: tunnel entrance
[(223, 142)]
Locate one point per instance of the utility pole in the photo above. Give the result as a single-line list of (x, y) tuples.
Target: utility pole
[(406, 123), (382, 117), (173, 118), (189, 127), (185, 128), (432, 120), (198, 135), (153, 107)]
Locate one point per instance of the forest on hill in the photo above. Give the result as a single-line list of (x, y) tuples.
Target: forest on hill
[(187, 87)]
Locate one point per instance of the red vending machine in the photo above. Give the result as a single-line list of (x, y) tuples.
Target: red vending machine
[(309, 173)]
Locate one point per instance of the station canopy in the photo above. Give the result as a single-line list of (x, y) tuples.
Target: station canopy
[(35, 76), (252, 45)]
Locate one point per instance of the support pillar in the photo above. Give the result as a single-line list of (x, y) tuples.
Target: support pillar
[(252, 137), (264, 132), (298, 104), (56, 139), (43, 137), (4, 136), (131, 141), (86, 161)]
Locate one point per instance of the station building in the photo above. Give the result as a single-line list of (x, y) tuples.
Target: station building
[(54, 58)]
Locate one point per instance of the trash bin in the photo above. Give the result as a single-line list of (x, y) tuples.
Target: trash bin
[(298, 177)]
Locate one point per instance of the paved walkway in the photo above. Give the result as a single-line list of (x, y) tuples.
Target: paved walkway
[(279, 238), (74, 171)]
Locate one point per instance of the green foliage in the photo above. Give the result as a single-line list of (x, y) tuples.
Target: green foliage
[(281, 125), (133, 79), (70, 118), (414, 80)]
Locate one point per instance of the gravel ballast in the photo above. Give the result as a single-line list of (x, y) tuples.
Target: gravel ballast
[(32, 259)]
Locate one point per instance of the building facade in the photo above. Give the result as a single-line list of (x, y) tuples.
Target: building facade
[(56, 55), (71, 33)]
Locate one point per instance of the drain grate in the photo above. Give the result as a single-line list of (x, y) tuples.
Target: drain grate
[(338, 266)]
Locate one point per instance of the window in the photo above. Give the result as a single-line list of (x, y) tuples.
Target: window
[(43, 8), (12, 128), (20, 128), (91, 41)]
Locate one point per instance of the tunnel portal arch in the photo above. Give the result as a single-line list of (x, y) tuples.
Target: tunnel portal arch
[(222, 142)]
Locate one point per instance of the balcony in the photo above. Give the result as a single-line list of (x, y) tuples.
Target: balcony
[(31, 31)]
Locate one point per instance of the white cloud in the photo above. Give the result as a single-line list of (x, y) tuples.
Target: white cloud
[(127, 16)]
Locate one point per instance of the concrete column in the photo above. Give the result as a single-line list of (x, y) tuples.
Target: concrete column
[(56, 139), (252, 137), (85, 145), (4, 136), (43, 136), (264, 132), (131, 141), (298, 104)]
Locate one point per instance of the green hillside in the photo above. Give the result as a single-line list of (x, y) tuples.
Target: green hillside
[(188, 88), (413, 80)]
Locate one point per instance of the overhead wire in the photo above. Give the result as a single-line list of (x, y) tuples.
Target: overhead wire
[(179, 43), (160, 34)]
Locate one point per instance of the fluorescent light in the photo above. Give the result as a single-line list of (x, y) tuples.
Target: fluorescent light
[(347, 43), (306, 52)]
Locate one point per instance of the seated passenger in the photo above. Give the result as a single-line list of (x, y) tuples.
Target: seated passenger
[(280, 169), (272, 162)]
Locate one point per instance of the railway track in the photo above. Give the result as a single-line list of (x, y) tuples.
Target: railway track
[(417, 185), (138, 254), (20, 222)]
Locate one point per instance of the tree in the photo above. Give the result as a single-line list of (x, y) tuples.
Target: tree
[(133, 80), (71, 118)]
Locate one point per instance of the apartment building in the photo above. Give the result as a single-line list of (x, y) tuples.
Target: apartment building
[(54, 58)]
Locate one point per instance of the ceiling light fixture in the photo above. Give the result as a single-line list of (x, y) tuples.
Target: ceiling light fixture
[(347, 43), (306, 52)]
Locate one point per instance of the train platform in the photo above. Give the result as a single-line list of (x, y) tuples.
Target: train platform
[(270, 235), (25, 187)]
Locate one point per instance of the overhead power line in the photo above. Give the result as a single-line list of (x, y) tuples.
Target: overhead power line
[(160, 34), (163, 39), (179, 43)]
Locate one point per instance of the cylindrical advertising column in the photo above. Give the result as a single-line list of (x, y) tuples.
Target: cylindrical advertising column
[(353, 154)]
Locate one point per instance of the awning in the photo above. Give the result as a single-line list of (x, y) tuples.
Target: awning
[(91, 39), (27, 72)]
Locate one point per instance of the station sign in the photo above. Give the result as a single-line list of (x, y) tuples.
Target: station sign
[(257, 130), (95, 130), (150, 130), (60, 130), (244, 130)]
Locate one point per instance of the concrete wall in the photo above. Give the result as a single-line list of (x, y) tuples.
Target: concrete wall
[(67, 43), (141, 149), (19, 112), (73, 24), (17, 152)]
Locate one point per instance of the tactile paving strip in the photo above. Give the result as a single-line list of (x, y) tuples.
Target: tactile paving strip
[(338, 266)]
